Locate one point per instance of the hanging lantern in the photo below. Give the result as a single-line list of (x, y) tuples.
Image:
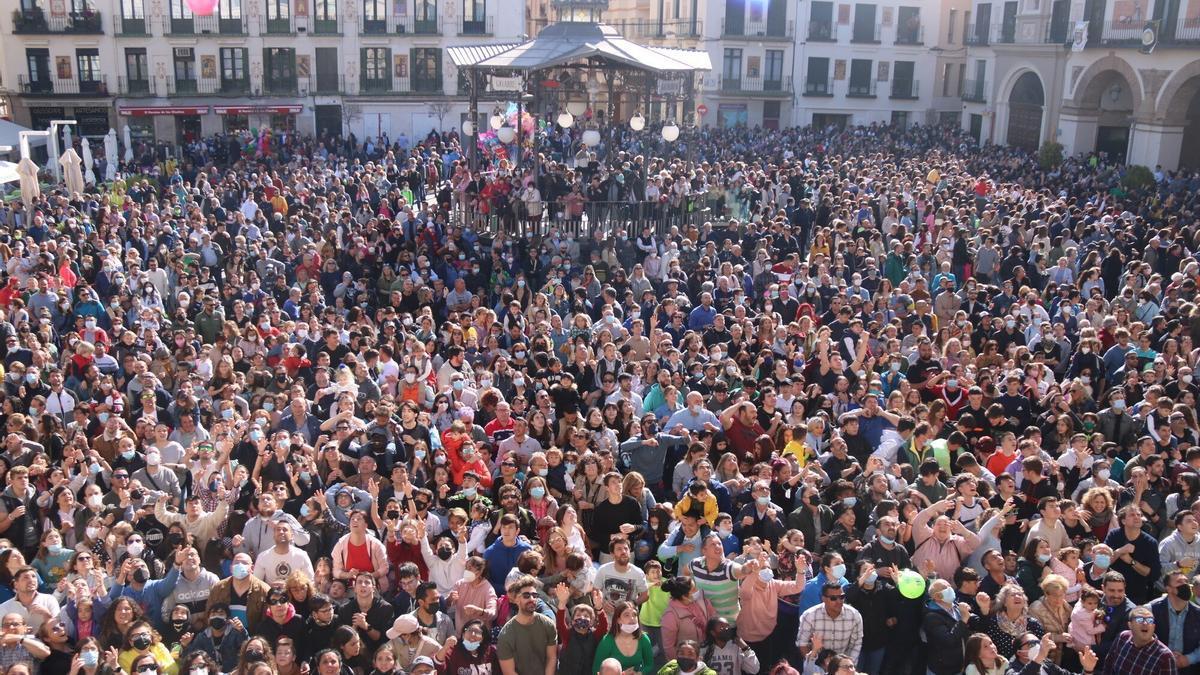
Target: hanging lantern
[(591, 138), (670, 132), (468, 128), (637, 122), (496, 121), (506, 134), (202, 7), (577, 108), (566, 120)]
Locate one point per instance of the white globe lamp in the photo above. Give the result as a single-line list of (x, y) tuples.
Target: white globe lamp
[(637, 122), (468, 128), (591, 138), (566, 120), (496, 122), (670, 132), (506, 134)]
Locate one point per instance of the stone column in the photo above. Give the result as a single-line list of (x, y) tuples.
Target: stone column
[(1152, 144), (1077, 130)]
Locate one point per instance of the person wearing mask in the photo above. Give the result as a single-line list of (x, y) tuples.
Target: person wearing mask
[(221, 640), (581, 627), (1177, 622), (244, 594)]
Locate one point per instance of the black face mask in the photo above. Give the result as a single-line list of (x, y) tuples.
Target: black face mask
[(393, 515), (141, 642), (175, 539), (140, 575), (254, 655), (686, 665), (218, 622), (179, 624), (1184, 592)]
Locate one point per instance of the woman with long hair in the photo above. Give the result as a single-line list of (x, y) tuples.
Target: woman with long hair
[(982, 657), (626, 641)]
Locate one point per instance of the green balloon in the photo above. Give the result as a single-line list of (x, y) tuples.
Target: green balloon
[(911, 584)]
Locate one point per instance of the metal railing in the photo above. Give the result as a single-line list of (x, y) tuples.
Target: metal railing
[(861, 89), (281, 87), (399, 86), (905, 89), (318, 26), (605, 217), (1187, 30), (823, 31), (758, 30), (910, 36), (204, 25), (197, 86), (125, 26), (818, 87), (650, 28), (54, 86), (780, 86), (1057, 33), (1123, 29), (475, 26), (980, 35), (866, 36), (974, 91), (135, 87), (405, 24), (279, 26), (1005, 32), (36, 22), (332, 84)]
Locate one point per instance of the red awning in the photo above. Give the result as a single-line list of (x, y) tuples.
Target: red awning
[(164, 110), (257, 109)]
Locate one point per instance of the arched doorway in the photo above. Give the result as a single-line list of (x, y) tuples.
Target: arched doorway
[(1110, 90), (1181, 107), (1025, 106)]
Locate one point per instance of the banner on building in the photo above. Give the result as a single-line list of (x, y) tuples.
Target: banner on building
[(1149, 37), (1079, 36)]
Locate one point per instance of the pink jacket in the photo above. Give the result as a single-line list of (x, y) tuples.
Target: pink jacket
[(685, 621), (760, 605), (1084, 629)]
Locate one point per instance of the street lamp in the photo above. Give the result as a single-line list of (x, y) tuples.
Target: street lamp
[(468, 128), (670, 132), (637, 122), (566, 120)]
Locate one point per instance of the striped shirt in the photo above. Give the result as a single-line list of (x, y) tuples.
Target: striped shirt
[(1125, 658), (719, 586)]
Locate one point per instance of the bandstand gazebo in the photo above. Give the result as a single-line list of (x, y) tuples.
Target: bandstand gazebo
[(576, 66)]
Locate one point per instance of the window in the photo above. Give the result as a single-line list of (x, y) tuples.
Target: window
[(773, 70), (908, 26), (233, 70), (376, 69), (865, 29), (279, 68), (279, 15), (325, 16), (180, 10), (950, 26), (861, 80), (185, 70), (425, 19), (820, 22), (900, 118), (427, 70), (133, 9), (38, 61), (88, 61), (474, 17), (375, 16), (903, 84), (230, 9), (731, 67), (947, 71), (137, 70), (816, 82)]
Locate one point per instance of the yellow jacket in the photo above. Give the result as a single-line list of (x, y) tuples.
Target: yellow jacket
[(710, 508)]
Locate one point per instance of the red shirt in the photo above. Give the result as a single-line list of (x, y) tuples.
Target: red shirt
[(358, 558), (742, 437)]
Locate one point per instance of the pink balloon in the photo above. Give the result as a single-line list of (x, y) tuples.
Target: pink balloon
[(202, 7)]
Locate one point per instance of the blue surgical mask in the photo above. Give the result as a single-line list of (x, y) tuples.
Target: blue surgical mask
[(1043, 558), (543, 472), (269, 406), (31, 378), (1102, 560), (103, 417), (227, 413), (240, 570), (90, 658), (762, 501), (305, 475), (887, 540), (948, 595), (570, 466), (537, 492), (838, 571), (766, 574), (469, 493), (471, 645), (304, 510), (128, 454), (872, 578)]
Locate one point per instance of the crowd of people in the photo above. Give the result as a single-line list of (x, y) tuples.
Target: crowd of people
[(884, 401)]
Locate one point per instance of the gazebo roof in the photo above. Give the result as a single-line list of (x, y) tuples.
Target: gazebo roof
[(561, 43)]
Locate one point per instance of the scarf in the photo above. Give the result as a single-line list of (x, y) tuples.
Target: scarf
[(1015, 628)]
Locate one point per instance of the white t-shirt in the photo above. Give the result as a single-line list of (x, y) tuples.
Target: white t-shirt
[(272, 566)]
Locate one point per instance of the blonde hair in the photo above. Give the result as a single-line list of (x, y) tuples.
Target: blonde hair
[(1053, 582)]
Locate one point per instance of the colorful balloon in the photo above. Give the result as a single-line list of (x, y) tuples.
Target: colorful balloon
[(202, 7), (911, 584)]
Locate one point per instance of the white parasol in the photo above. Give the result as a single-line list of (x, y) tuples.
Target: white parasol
[(72, 171), (30, 190), (110, 155), (89, 175), (128, 145)]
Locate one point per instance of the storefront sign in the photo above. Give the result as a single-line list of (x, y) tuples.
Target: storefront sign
[(257, 109), (151, 111)]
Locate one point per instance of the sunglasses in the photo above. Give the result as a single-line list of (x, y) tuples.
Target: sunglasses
[(835, 598), (1144, 620), (279, 601)]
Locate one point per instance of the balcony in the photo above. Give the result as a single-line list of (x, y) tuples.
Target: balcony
[(757, 30), (974, 91), (35, 22), (910, 36), (1187, 30), (400, 86), (648, 29), (904, 90), (278, 26), (1057, 33), (864, 36), (818, 88), (756, 86), (196, 87), (205, 25), (481, 27), (861, 89), (330, 84), (980, 36), (822, 31), (326, 26), (281, 86), (63, 87), (126, 26), (405, 24), (1006, 32), (134, 88), (1123, 29)]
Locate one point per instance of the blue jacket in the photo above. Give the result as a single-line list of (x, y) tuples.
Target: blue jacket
[(811, 595), (501, 559), (151, 597)]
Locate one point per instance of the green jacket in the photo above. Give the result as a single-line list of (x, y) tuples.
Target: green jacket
[(672, 668)]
